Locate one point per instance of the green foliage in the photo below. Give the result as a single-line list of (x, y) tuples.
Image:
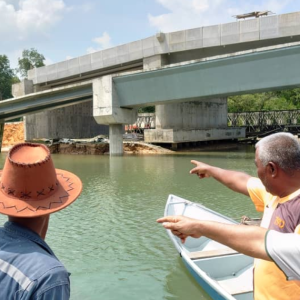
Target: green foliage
[(148, 109), (7, 78), (279, 100), (30, 59)]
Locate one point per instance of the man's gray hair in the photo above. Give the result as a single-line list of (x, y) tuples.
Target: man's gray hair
[(281, 148)]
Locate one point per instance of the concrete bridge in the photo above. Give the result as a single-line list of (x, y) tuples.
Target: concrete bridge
[(187, 75)]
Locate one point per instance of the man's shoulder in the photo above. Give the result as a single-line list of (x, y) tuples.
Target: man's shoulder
[(254, 182), (36, 270), (30, 256)]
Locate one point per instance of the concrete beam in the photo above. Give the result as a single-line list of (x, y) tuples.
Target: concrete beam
[(106, 107), (22, 88), (174, 136), (251, 73), (35, 102)]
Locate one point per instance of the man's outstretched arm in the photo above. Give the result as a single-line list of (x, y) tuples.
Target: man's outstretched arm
[(235, 180), (249, 240)]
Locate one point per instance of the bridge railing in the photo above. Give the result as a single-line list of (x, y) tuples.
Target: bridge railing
[(254, 121), (260, 121)]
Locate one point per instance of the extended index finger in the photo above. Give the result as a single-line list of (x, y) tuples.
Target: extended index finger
[(195, 162), (171, 219), (195, 169)]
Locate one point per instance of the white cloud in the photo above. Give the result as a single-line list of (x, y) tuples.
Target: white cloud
[(69, 57), (195, 13), (25, 18), (90, 50), (87, 7), (14, 56), (103, 42), (84, 7), (48, 61)]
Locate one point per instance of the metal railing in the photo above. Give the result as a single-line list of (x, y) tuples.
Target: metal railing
[(262, 121), (256, 121)]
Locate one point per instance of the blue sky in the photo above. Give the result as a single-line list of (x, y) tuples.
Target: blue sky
[(62, 29)]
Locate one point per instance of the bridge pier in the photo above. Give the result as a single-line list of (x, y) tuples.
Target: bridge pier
[(192, 121), (116, 139), (106, 110), (21, 89)]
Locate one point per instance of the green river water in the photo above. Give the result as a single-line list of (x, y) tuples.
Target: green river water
[(109, 240)]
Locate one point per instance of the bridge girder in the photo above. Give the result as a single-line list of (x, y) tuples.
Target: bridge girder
[(275, 69)]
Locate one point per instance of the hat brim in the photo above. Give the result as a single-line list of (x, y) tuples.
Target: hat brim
[(68, 189)]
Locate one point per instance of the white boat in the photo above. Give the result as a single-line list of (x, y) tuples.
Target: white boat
[(221, 271)]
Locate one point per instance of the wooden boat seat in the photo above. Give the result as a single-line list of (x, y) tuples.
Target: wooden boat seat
[(211, 253)]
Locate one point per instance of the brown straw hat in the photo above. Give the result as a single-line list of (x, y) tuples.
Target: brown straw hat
[(31, 186)]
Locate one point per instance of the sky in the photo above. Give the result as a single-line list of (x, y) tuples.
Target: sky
[(63, 29)]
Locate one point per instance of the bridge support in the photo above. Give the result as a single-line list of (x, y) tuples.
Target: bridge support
[(202, 120), (106, 110), (116, 139), (20, 89), (194, 121)]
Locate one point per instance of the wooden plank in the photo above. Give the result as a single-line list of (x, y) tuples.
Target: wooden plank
[(211, 253)]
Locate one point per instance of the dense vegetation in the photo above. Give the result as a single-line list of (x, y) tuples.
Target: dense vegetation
[(278, 100), (30, 59)]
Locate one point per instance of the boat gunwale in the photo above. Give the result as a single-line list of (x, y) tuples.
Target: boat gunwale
[(184, 253)]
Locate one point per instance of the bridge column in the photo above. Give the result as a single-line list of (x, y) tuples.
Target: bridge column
[(106, 110), (20, 89), (184, 122), (116, 139)]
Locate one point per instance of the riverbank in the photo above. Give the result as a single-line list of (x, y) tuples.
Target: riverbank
[(14, 133), (102, 148)]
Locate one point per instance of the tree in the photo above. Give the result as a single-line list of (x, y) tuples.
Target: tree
[(147, 109), (7, 78), (274, 100), (30, 59)]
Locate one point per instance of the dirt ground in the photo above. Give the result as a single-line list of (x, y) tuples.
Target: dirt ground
[(13, 134)]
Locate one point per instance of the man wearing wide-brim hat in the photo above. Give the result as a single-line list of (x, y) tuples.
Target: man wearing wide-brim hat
[(31, 189)]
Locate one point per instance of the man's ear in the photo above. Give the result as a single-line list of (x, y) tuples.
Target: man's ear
[(272, 169)]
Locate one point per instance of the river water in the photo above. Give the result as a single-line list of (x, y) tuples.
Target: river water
[(108, 239)]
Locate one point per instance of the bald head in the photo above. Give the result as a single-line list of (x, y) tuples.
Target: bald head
[(281, 148)]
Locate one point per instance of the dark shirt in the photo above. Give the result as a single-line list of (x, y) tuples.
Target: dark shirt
[(286, 216)]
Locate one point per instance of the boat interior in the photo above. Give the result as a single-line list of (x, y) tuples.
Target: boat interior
[(231, 270), (234, 273)]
